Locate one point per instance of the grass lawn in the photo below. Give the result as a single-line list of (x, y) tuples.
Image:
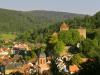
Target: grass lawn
[(7, 36)]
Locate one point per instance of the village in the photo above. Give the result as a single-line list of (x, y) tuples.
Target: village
[(49, 37), (18, 58)]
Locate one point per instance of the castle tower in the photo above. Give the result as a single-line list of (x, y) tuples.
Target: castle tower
[(64, 26), (82, 32)]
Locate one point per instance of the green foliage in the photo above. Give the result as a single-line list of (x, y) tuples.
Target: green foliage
[(23, 37), (90, 48), (97, 36), (70, 37), (64, 37), (33, 54), (27, 58), (53, 39), (92, 54), (95, 43), (76, 59), (18, 21), (87, 45), (97, 19), (59, 47), (43, 47)]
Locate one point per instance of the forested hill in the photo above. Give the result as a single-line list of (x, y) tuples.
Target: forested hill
[(19, 21)]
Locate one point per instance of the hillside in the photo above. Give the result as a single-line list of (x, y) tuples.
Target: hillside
[(19, 21)]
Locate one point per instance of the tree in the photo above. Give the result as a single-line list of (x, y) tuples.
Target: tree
[(97, 19), (97, 36), (95, 43), (53, 39), (70, 37), (88, 22), (87, 45), (64, 36), (90, 68), (24, 37), (59, 47), (76, 59)]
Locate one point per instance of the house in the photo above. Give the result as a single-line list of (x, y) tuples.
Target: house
[(73, 69), (20, 48), (4, 51)]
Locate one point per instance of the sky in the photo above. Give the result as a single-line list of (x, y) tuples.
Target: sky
[(89, 7)]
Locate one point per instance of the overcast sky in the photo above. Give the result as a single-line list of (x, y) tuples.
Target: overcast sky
[(74, 6)]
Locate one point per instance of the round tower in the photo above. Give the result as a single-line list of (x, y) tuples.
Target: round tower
[(82, 32)]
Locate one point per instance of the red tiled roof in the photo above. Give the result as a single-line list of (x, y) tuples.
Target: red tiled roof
[(73, 68)]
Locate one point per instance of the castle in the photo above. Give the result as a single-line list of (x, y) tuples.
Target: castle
[(81, 30)]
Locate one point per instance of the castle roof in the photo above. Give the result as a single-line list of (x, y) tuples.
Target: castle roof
[(55, 33), (64, 25)]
